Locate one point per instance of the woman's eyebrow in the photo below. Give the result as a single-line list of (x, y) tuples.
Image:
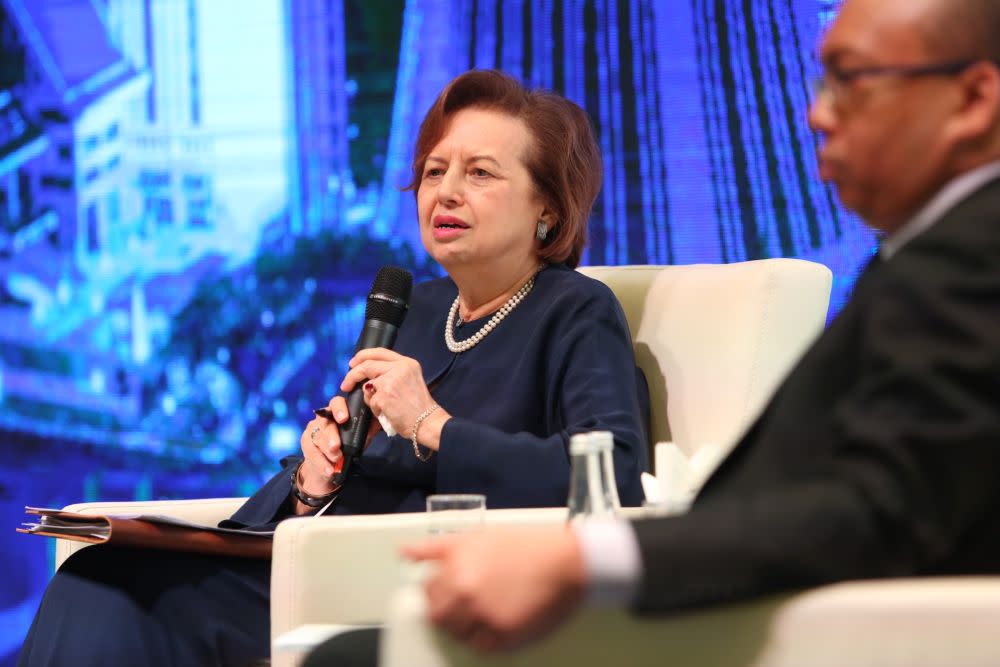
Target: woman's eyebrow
[(472, 158), (489, 158)]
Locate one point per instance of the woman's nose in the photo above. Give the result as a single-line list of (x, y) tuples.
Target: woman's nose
[(450, 188)]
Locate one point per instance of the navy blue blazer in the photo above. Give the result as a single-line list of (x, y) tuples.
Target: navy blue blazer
[(560, 363)]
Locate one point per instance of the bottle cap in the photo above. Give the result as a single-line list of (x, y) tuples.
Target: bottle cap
[(580, 444), (603, 441), (595, 441)]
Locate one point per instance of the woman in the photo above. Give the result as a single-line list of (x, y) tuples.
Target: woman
[(494, 368)]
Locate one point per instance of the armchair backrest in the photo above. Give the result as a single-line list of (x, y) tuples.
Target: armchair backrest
[(715, 340)]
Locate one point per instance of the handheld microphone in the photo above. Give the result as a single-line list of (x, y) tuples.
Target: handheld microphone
[(388, 301)]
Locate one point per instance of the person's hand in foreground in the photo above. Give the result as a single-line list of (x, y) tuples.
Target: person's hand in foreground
[(497, 589)]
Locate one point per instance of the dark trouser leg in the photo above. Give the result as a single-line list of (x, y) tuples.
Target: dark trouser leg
[(357, 648), (122, 606)]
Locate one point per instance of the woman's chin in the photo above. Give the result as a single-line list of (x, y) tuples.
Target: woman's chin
[(450, 258)]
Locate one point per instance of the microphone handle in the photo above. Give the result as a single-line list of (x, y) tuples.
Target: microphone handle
[(354, 431)]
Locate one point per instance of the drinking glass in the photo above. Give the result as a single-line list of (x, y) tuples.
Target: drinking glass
[(455, 512)]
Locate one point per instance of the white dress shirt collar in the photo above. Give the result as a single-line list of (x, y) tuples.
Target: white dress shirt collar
[(946, 199)]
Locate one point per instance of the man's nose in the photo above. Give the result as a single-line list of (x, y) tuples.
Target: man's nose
[(821, 116)]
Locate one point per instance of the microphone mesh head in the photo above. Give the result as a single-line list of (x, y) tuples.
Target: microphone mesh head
[(390, 295)]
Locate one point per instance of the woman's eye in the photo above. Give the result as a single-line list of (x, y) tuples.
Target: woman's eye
[(433, 173), (481, 173)]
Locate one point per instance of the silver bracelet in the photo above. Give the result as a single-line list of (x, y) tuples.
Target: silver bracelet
[(413, 438), (305, 498)]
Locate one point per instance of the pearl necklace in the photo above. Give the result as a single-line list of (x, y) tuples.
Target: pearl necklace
[(471, 342)]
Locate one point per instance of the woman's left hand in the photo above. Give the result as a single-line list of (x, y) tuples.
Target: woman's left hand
[(394, 389)]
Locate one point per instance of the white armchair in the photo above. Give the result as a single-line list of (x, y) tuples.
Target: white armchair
[(722, 353), (344, 570), (716, 338), (890, 623), (715, 341)]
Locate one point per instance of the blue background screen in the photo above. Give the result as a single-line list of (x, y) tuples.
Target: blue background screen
[(196, 194)]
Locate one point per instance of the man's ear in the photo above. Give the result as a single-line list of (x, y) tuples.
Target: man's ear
[(978, 114)]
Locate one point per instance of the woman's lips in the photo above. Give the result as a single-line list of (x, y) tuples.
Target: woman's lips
[(448, 227), (449, 221)]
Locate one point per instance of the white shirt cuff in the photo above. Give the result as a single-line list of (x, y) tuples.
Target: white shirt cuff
[(611, 556)]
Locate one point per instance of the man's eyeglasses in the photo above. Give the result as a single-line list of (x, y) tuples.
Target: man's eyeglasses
[(835, 83)]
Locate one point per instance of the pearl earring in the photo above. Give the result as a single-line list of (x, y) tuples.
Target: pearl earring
[(542, 231)]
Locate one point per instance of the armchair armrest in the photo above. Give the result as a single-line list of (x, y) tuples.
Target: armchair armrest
[(208, 511), (883, 623), (344, 569)]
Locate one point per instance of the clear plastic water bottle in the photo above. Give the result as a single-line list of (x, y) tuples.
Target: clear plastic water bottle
[(592, 489)]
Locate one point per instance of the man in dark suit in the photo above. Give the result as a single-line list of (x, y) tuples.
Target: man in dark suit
[(880, 454)]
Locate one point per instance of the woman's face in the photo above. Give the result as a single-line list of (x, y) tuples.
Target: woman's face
[(476, 201)]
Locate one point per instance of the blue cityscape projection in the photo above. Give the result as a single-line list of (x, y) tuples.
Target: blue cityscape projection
[(196, 194)]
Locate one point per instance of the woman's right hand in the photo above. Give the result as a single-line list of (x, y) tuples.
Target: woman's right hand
[(320, 442)]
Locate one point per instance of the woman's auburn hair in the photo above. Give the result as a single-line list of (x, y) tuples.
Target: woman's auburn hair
[(563, 159)]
